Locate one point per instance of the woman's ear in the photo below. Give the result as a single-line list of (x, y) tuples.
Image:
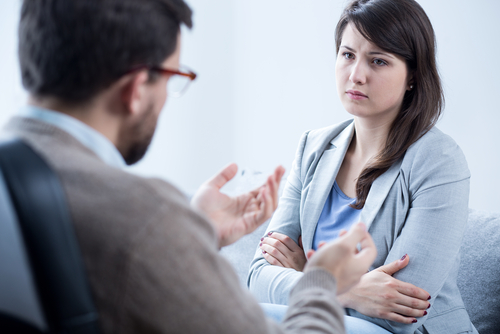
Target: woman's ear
[(134, 92), (411, 81)]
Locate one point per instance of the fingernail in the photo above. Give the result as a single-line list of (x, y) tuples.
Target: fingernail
[(429, 298), (425, 312), (414, 320), (404, 257), (260, 244), (261, 239), (270, 233), (429, 306), (263, 252)]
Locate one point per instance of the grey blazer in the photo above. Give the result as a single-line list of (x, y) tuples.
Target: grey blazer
[(418, 207)]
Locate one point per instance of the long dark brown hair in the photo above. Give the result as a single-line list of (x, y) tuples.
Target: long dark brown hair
[(399, 27)]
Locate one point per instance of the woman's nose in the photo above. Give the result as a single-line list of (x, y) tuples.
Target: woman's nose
[(358, 73)]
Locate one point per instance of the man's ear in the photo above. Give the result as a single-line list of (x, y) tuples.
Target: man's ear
[(133, 92)]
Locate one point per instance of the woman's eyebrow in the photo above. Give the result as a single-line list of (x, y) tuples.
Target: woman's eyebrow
[(370, 53), (348, 48), (381, 53)]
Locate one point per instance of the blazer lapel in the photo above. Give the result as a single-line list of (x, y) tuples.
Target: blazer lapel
[(322, 183), (378, 193)]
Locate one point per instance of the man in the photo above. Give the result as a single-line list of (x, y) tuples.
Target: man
[(97, 72)]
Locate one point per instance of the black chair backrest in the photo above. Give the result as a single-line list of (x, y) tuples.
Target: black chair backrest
[(51, 249)]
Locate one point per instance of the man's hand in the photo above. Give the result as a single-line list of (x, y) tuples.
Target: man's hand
[(380, 295), (234, 217), (342, 259)]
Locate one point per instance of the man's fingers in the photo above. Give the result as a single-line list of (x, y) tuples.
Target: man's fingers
[(321, 244), (275, 178), (310, 253), (267, 204), (224, 176), (278, 173), (355, 235), (368, 251), (273, 191)]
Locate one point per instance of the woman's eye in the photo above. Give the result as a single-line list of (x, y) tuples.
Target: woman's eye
[(379, 62), (348, 55)]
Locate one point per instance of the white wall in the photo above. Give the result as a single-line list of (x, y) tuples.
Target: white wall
[(266, 74)]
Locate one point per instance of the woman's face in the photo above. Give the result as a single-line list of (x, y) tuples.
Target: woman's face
[(371, 83)]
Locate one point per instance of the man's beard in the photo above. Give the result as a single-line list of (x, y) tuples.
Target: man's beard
[(140, 135)]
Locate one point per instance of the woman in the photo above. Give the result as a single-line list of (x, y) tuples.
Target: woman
[(390, 168)]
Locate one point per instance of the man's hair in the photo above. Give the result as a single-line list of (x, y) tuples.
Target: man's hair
[(73, 49)]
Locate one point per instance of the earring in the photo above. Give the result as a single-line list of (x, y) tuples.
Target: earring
[(411, 87)]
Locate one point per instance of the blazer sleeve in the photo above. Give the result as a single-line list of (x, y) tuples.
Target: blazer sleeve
[(269, 283), (437, 179)]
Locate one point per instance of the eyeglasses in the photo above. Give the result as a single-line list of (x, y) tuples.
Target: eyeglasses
[(178, 80)]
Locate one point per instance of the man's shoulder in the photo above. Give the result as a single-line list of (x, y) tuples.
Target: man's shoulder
[(98, 194)]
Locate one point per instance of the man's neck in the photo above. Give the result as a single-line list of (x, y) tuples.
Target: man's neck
[(90, 114)]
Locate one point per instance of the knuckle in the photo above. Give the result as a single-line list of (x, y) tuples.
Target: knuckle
[(415, 303), (388, 296), (391, 284), (273, 252), (271, 259), (273, 242)]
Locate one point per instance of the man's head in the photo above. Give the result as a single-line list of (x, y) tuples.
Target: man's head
[(76, 51), (73, 49)]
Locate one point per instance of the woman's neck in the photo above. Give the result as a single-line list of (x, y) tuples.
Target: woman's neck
[(370, 137)]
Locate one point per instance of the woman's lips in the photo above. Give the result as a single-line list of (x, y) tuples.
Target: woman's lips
[(356, 95)]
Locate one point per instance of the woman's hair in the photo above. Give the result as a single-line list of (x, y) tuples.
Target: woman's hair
[(399, 27)]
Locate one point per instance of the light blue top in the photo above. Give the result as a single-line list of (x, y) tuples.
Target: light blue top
[(336, 215), (89, 137)]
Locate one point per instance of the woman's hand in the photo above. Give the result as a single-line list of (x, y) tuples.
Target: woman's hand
[(280, 250), (379, 295)]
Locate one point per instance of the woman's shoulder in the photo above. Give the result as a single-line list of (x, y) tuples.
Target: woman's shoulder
[(319, 137), (436, 152)]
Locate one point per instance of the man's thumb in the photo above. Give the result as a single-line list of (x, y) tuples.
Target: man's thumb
[(395, 266)]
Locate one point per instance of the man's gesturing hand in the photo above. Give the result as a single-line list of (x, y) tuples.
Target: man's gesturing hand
[(234, 217), (342, 259)]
